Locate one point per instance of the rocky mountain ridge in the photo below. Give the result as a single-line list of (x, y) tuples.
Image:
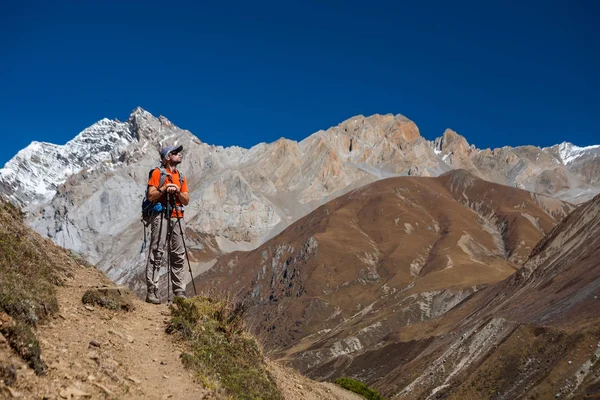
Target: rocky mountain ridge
[(34, 174), (85, 195)]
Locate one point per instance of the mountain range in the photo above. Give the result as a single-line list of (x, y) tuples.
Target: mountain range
[(85, 194), (429, 269)]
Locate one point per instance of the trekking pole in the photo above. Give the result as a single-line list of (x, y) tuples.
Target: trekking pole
[(187, 257), (169, 235)]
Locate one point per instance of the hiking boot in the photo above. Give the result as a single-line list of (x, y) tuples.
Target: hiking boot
[(152, 298), (180, 293)]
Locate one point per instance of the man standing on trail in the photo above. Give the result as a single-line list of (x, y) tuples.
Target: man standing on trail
[(168, 187)]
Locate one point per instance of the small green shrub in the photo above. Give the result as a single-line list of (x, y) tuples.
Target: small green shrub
[(359, 388)]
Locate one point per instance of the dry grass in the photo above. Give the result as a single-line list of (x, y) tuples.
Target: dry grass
[(225, 357), (29, 271), (27, 274)]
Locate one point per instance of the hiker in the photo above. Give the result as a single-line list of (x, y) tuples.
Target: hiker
[(172, 195)]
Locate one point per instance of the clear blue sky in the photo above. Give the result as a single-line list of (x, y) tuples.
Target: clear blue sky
[(248, 72)]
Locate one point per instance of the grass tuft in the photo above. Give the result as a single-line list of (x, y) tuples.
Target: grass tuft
[(110, 299), (225, 357), (23, 341)]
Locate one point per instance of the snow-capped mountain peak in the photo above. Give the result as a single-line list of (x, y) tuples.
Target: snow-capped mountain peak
[(37, 170), (569, 152)]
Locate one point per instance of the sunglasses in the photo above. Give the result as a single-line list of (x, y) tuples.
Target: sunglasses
[(174, 153)]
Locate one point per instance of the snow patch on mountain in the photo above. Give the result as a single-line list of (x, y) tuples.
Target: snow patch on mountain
[(569, 152)]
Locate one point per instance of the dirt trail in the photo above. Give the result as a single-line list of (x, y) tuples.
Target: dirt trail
[(96, 352), (92, 352)]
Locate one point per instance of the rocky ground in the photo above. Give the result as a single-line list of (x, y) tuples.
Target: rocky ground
[(92, 352)]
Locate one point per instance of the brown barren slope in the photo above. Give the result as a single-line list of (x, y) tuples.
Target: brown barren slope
[(534, 335), (339, 284)]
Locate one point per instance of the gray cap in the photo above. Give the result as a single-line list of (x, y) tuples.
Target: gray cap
[(164, 152)]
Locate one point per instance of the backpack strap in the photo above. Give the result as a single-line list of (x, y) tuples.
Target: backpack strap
[(163, 176)]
